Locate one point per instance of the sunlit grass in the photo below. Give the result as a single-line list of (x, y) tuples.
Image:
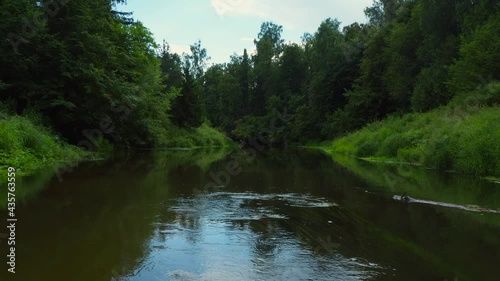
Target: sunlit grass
[(463, 136), (27, 147)]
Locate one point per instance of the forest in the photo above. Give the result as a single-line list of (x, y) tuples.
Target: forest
[(419, 78)]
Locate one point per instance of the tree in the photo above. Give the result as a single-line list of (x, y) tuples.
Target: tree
[(188, 109), (479, 57), (271, 32), (211, 98), (244, 80), (383, 11), (327, 87), (403, 43), (198, 60), (171, 67), (82, 63), (269, 47), (293, 72)]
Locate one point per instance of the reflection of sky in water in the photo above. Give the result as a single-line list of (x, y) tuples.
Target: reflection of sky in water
[(240, 236)]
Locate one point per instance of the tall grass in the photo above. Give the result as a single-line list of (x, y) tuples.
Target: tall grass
[(26, 146), (463, 136)]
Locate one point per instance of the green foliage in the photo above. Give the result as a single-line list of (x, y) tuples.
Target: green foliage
[(203, 136), (187, 110), (479, 57), (327, 85), (27, 147), (422, 183), (462, 136), (89, 65), (170, 67), (84, 65), (249, 127), (430, 91), (269, 46), (402, 44)]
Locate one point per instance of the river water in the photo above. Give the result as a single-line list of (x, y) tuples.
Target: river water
[(273, 215)]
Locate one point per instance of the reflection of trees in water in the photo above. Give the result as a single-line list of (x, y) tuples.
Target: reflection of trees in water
[(97, 234), (367, 225), (107, 217), (424, 183), (267, 233), (97, 221), (156, 176), (30, 186)]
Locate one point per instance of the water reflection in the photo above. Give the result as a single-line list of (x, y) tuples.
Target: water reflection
[(289, 215), (247, 236)]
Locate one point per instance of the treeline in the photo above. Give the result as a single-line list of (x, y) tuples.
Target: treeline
[(93, 75), (411, 56)]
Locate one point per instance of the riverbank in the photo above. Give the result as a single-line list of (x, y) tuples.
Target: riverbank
[(460, 137), (28, 146)]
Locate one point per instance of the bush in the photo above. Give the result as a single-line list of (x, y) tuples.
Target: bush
[(204, 136)]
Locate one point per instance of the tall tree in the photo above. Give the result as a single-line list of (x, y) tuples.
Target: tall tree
[(171, 67), (244, 80), (198, 59), (269, 47), (188, 109), (326, 72)]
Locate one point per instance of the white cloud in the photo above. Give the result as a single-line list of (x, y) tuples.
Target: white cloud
[(295, 14), (180, 49), (238, 7), (246, 39)]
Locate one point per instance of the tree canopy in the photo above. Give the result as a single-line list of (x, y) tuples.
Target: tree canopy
[(91, 70)]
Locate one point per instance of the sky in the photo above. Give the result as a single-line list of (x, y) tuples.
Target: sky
[(226, 27)]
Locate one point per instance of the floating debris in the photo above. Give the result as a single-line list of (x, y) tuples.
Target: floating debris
[(471, 208)]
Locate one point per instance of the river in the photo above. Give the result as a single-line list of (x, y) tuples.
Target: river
[(273, 215)]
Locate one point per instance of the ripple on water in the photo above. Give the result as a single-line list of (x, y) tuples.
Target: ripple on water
[(246, 206), (214, 237)]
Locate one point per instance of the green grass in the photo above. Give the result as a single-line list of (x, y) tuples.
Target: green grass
[(463, 136), (28, 147), (202, 137)]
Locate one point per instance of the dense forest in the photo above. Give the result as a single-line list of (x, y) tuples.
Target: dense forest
[(412, 56), (95, 77)]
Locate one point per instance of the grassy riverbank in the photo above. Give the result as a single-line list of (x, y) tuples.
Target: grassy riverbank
[(463, 136), (28, 146)]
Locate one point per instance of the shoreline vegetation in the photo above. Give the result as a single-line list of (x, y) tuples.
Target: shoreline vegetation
[(417, 82), (461, 137), (28, 146)]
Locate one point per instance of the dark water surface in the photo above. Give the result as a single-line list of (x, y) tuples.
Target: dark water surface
[(279, 215)]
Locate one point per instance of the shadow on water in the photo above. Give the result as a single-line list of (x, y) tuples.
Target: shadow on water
[(32, 184), (445, 226), (286, 215), (429, 186), (94, 223)]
